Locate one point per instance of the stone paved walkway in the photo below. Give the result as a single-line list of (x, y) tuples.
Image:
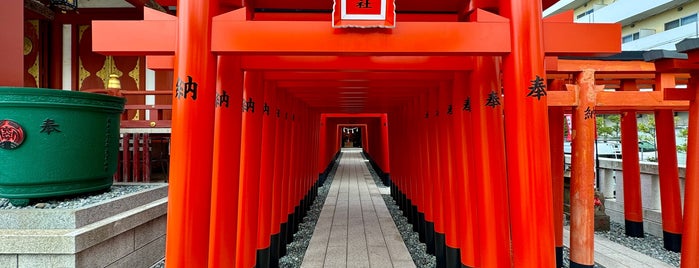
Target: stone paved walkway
[(614, 255), (355, 228)]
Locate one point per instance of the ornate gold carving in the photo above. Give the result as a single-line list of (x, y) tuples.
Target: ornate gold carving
[(81, 30), (27, 46), (84, 73), (35, 23), (34, 71), (135, 73), (108, 68)]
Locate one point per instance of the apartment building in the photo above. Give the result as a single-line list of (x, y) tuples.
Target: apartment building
[(646, 24)]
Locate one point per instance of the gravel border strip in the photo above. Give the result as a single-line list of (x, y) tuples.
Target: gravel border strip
[(650, 245), (79, 200), (296, 250), (417, 249)]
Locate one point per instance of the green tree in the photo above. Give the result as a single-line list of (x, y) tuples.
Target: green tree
[(646, 133), (646, 129), (683, 146), (608, 126)]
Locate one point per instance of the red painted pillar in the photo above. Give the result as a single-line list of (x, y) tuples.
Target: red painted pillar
[(435, 170), (409, 134), (690, 229), (556, 134), (284, 173), (462, 169), (12, 45), (226, 170), (446, 114), (269, 127), (633, 206), (526, 121), (582, 179), (192, 137), (425, 183), (291, 169), (250, 149), (490, 180), (323, 158), (671, 205), (669, 180), (384, 145)]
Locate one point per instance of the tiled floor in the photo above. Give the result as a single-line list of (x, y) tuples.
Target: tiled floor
[(355, 228)]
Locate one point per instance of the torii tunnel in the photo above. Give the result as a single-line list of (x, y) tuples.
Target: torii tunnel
[(459, 104)]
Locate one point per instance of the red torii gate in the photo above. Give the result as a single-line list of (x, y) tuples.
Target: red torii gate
[(588, 99), (519, 36)]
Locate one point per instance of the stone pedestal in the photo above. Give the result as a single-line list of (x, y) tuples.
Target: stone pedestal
[(128, 231), (601, 218)]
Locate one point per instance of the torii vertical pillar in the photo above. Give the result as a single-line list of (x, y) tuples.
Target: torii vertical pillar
[(527, 137), (490, 181), (582, 188), (633, 209), (463, 170), (226, 168), (278, 234), (668, 173), (267, 165), (192, 136), (690, 231), (556, 123), (250, 149)]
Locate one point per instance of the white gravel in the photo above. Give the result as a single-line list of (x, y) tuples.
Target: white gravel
[(78, 201)]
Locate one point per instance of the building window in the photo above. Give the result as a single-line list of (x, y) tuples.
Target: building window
[(630, 37), (680, 22), (585, 13)]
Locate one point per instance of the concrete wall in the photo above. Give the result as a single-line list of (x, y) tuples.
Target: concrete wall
[(610, 180), (116, 236)]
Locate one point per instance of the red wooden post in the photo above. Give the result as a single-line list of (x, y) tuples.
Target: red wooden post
[(582, 178), (435, 174), (136, 156), (425, 185), (671, 205), (290, 168), (462, 172), (527, 137), (556, 134), (146, 157), (269, 126), (633, 208), (384, 145), (226, 167), (669, 180), (126, 142), (192, 136), (490, 180), (250, 148), (278, 178), (323, 156), (12, 68), (446, 114), (284, 213), (690, 229)]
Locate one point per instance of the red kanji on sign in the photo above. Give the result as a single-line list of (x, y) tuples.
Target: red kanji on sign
[(364, 14), (363, 7)]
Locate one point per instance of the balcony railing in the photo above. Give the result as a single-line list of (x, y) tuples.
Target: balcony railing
[(663, 40)]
